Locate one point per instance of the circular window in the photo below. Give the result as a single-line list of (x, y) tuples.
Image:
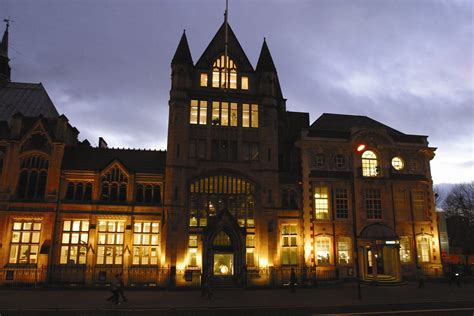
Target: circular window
[(397, 163)]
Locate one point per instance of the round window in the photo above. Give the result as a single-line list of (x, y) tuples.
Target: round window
[(397, 163)]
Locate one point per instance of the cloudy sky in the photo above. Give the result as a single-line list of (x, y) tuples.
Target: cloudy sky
[(406, 63)]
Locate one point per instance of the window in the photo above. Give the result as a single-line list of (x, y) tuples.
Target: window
[(74, 241), (114, 186), (24, 244), (246, 115), (233, 114), (110, 242), (289, 249), (33, 175), (397, 163), (146, 239), (343, 250), (79, 191), (224, 150), (245, 83), (418, 205), (319, 160), (370, 167), (423, 248), (321, 202), (339, 160), (224, 73), (254, 116), (250, 254), (373, 203), (250, 151), (405, 249), (249, 115), (203, 80), (192, 251), (197, 148), (220, 113), (342, 209), (148, 193), (198, 112), (323, 246)]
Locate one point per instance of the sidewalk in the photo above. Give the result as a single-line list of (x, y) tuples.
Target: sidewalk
[(227, 301)]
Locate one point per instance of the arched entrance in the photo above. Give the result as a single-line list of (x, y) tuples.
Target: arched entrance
[(379, 254)]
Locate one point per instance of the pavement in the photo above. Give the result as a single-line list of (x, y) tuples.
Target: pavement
[(313, 301)]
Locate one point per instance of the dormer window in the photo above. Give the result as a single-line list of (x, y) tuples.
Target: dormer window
[(224, 74), (114, 186), (370, 165)]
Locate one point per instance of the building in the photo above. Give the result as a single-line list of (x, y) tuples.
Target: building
[(245, 191)]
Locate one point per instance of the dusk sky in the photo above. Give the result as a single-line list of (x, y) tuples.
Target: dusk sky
[(407, 63)]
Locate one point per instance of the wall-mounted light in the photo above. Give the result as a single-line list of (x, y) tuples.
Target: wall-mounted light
[(361, 147)]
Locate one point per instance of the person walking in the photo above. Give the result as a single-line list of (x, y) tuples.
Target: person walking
[(420, 276), (293, 280), (120, 286), (114, 298)]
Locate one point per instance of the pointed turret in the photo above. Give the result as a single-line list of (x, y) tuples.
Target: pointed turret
[(5, 69), (182, 54), (265, 60)]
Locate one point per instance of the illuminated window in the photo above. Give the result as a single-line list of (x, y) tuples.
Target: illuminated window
[(74, 241), (233, 114), (250, 151), (246, 115), (405, 249), (373, 203), (110, 242), (203, 80), (220, 113), (250, 254), (24, 244), (198, 112), (289, 249), (254, 116), (323, 246), (344, 250), (339, 160), (369, 164), (342, 208), (114, 186), (245, 83), (148, 193), (224, 74), (397, 163), (33, 175), (321, 202), (79, 191), (192, 251), (423, 248), (146, 239), (418, 205)]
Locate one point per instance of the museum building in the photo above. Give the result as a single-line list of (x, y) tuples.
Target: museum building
[(245, 191)]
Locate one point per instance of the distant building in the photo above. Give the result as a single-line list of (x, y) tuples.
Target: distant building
[(245, 191)]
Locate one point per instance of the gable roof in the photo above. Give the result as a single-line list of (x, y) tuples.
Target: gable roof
[(95, 158), (216, 48), (265, 60), (30, 99), (340, 126)]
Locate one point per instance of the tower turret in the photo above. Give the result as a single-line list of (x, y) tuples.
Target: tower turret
[(5, 70)]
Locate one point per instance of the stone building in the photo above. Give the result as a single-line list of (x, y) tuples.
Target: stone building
[(245, 191)]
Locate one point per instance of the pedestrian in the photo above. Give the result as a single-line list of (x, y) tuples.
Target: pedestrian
[(120, 286), (420, 276), (293, 280), (115, 294)]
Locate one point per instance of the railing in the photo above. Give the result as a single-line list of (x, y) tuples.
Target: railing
[(273, 276)]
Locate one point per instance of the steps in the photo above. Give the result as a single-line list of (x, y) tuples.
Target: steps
[(381, 279)]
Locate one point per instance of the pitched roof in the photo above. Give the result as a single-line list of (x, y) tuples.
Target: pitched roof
[(94, 158), (4, 44), (182, 54), (265, 60), (340, 125), (216, 47), (30, 99)]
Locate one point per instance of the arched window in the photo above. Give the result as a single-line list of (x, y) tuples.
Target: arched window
[(114, 186), (370, 165), (222, 239), (224, 75), (33, 175)]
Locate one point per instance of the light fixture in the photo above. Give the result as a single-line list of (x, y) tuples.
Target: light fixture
[(361, 147)]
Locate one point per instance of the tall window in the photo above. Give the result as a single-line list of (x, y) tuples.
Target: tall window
[(289, 249), (220, 113), (110, 242), (244, 83), (146, 238), (323, 246), (250, 254), (400, 204), (342, 208), (344, 250), (24, 244), (33, 175), (370, 166), (148, 193), (418, 204), (249, 115), (79, 191), (192, 250), (74, 241), (321, 202), (224, 73), (203, 79), (405, 249), (373, 203), (198, 112), (423, 248), (250, 151), (114, 185)]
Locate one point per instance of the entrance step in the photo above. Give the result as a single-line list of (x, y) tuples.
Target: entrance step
[(382, 279)]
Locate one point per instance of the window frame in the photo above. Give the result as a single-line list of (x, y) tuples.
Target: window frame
[(35, 229)]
